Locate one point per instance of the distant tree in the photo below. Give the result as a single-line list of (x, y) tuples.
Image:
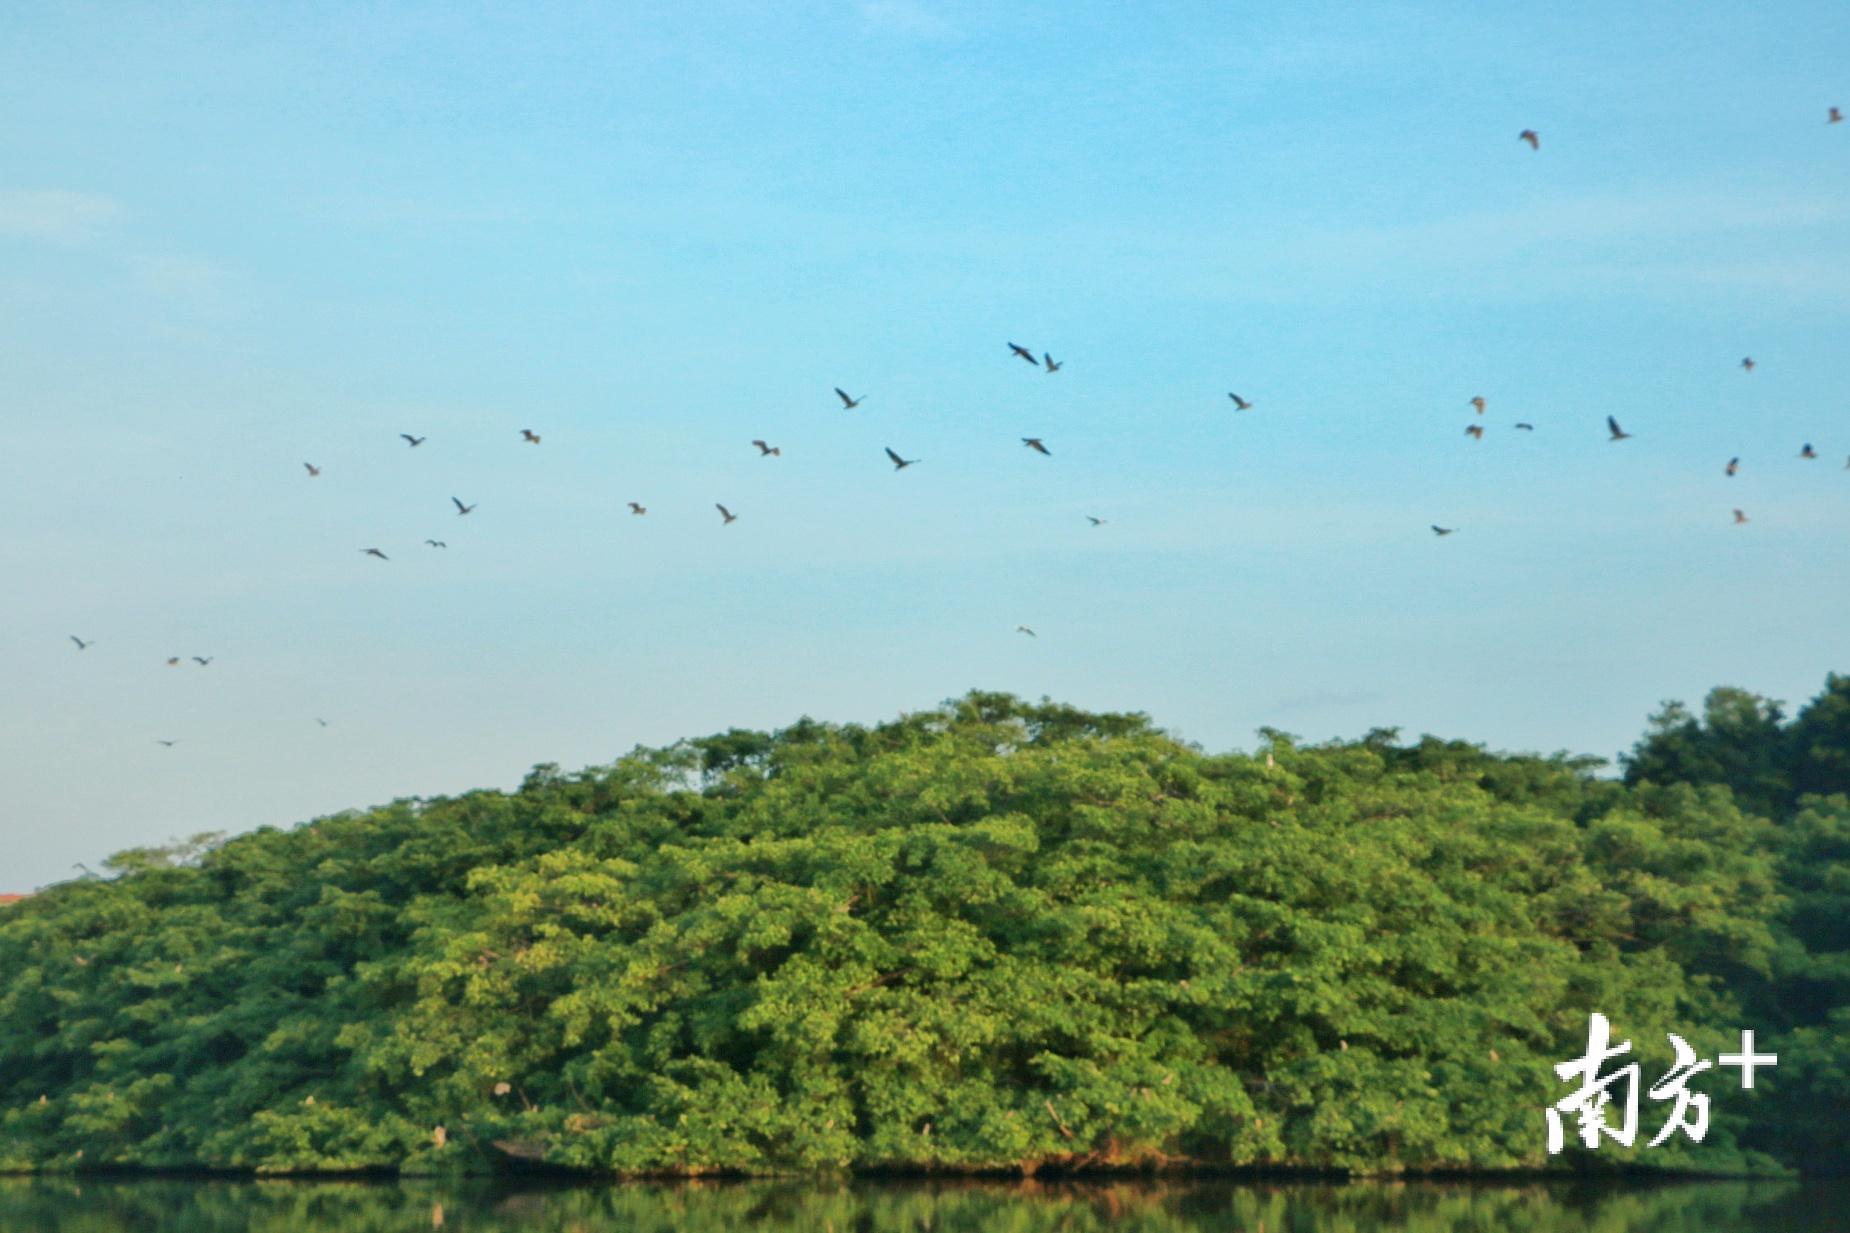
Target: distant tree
[(1738, 742), (1819, 741)]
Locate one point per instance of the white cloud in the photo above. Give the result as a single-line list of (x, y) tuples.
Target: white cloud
[(193, 294), (905, 17), (178, 276), (1587, 220), (54, 214)]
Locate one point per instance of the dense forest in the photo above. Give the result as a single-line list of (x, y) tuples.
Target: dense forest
[(999, 935)]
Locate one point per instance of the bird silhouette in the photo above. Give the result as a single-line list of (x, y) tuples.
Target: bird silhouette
[(1240, 404), (1739, 517), (1025, 354), (202, 660), (1475, 430), (1052, 365), (1612, 426), (1836, 116), (374, 552), (1532, 137), (81, 644), (1036, 444), (1734, 464), (321, 721), (415, 441), (1526, 427), (436, 543), (637, 509), (1023, 629), (1097, 522), (1478, 402), (527, 434), (313, 470), (169, 744), (461, 508), (899, 464), (1747, 363), (768, 451), (848, 404), (1439, 530), (173, 661), (726, 514), (1808, 451)]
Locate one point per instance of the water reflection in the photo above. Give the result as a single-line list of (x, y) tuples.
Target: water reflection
[(162, 1205)]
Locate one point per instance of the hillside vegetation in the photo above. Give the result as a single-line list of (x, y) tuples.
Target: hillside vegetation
[(996, 935)]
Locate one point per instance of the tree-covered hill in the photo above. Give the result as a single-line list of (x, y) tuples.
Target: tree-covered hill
[(997, 935)]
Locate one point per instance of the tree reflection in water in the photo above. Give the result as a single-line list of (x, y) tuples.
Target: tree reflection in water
[(92, 1205)]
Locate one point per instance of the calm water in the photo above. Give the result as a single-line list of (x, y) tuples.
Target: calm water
[(160, 1206)]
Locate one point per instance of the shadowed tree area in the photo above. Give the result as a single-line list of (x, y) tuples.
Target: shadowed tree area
[(998, 935)]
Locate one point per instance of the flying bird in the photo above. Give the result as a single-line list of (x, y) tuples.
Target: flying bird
[(726, 514), (169, 744), (527, 434), (637, 509), (1439, 530), (768, 451), (321, 721), (1529, 135), (1023, 629), (1526, 427), (81, 644), (899, 464), (1808, 451), (173, 661), (1475, 430), (374, 552), (1025, 354), (1739, 517), (313, 470), (461, 508), (436, 543), (1240, 404), (1052, 366), (1747, 363), (1035, 444), (1097, 522), (1478, 402), (1612, 426), (1734, 464), (848, 404), (202, 660), (415, 441), (1835, 117)]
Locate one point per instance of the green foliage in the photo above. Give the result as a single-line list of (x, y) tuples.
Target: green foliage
[(1742, 742), (992, 936)]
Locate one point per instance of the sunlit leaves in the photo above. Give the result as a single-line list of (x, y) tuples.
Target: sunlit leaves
[(997, 935)]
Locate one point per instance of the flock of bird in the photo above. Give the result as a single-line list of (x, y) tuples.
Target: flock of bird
[(1046, 364)]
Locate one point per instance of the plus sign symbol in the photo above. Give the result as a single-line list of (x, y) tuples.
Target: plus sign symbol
[(1747, 1060)]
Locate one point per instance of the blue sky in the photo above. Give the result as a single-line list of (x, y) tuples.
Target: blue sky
[(237, 238)]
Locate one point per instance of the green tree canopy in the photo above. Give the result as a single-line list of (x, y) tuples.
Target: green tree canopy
[(993, 935)]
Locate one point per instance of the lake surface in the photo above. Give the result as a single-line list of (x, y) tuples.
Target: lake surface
[(31, 1205)]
